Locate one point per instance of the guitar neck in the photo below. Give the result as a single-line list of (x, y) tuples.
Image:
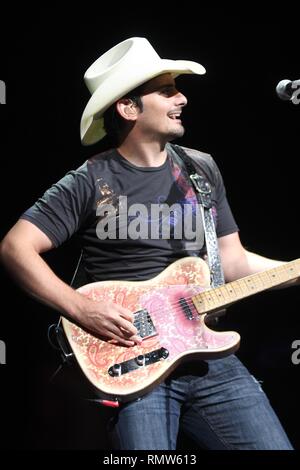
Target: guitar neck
[(215, 299)]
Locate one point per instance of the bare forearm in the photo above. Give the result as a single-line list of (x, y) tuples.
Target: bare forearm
[(33, 275), (250, 263), (259, 263), (255, 263), (238, 262)]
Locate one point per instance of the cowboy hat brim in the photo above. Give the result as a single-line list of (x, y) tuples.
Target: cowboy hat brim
[(91, 126)]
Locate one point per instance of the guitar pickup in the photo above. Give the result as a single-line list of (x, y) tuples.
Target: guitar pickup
[(141, 360), (186, 308)]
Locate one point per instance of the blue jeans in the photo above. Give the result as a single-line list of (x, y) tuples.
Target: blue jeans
[(217, 403)]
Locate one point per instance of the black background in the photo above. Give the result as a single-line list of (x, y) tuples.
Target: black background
[(233, 113)]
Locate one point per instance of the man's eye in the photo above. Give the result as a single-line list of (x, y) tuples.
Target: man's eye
[(167, 91)]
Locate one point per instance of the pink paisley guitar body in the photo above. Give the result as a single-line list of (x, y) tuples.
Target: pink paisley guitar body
[(166, 318), (170, 312)]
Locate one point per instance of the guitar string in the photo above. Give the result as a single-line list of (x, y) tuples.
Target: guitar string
[(208, 294), (208, 298), (176, 307)]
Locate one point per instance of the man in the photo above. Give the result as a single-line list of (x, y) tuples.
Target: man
[(135, 100)]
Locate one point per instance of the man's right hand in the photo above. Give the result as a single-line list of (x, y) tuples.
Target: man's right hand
[(20, 252), (109, 320)]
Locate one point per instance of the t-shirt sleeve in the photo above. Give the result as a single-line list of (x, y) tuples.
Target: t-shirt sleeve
[(226, 223), (64, 207)]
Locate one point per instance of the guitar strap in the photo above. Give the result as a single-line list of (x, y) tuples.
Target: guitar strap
[(202, 189)]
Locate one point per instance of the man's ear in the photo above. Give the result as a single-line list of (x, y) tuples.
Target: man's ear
[(127, 109)]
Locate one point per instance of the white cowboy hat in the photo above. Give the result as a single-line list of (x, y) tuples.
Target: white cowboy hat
[(120, 70)]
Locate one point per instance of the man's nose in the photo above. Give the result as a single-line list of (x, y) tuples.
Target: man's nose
[(181, 100)]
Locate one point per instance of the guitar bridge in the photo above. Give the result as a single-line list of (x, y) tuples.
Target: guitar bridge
[(144, 324)]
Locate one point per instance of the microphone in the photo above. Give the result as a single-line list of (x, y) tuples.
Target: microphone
[(287, 90)]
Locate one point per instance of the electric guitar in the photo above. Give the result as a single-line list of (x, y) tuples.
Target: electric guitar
[(170, 311)]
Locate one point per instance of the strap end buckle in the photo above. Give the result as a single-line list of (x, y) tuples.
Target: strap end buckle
[(203, 189), (200, 184)]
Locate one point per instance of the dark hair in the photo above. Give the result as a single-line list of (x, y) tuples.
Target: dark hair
[(114, 124)]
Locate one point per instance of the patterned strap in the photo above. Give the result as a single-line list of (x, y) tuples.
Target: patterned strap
[(203, 192)]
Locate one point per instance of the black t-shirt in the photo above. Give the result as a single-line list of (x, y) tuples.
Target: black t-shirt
[(132, 221)]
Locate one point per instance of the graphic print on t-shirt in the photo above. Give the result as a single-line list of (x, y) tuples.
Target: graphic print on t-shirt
[(172, 214)]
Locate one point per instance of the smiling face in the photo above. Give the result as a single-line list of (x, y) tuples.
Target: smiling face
[(162, 108)]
